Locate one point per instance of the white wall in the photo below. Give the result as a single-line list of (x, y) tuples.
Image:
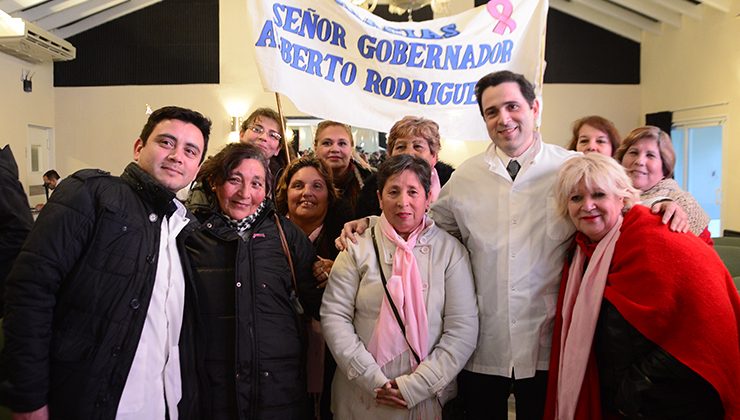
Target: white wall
[(695, 66), (18, 109)]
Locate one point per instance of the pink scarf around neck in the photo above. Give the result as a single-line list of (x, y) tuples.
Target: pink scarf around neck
[(405, 288), (581, 306)]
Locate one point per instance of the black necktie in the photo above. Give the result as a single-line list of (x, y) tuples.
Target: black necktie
[(513, 168)]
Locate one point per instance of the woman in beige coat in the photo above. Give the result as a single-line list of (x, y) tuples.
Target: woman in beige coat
[(385, 371)]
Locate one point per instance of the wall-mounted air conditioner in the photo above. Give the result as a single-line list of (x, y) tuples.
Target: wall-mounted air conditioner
[(30, 43)]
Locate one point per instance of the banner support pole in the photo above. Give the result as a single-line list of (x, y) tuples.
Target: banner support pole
[(284, 126)]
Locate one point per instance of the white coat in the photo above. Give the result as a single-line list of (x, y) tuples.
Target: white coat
[(517, 242)]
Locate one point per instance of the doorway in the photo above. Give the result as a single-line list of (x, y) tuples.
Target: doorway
[(39, 153), (698, 168)]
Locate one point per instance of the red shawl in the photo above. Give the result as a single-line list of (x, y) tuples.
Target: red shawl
[(677, 292)]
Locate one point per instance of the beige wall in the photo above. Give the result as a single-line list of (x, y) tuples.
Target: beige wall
[(18, 109), (695, 66), (561, 105)]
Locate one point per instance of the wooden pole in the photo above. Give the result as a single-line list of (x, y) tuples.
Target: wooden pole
[(282, 122)]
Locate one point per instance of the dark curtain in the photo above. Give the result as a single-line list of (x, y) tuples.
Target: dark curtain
[(662, 120)]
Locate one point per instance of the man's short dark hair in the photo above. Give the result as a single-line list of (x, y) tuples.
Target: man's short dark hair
[(182, 114), (504, 76), (51, 174)]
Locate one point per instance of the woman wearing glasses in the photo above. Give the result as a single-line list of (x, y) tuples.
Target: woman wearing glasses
[(263, 129)]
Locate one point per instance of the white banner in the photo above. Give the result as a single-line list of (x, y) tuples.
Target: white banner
[(337, 61)]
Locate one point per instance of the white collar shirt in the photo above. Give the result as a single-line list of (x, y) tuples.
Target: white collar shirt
[(517, 243), (154, 380)]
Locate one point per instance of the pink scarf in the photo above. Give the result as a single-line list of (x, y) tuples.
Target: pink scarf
[(435, 187), (581, 306), (405, 287)]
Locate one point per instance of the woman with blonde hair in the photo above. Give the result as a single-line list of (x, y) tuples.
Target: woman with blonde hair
[(647, 319), (334, 146)]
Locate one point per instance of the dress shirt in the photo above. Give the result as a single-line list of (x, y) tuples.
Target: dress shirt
[(517, 243), (154, 379)]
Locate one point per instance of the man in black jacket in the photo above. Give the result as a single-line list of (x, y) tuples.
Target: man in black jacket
[(97, 319)]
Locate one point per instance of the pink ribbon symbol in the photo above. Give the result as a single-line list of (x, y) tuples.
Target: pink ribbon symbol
[(503, 17)]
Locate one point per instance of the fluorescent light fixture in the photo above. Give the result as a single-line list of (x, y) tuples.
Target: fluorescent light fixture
[(10, 26), (65, 5)]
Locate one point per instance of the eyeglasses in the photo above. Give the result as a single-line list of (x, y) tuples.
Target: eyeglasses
[(258, 129)]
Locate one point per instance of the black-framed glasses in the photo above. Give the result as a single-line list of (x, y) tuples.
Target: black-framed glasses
[(258, 129)]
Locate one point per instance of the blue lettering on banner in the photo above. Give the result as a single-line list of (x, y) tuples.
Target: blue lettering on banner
[(308, 24), (316, 63), (267, 36), (432, 56), (417, 91), (410, 52)]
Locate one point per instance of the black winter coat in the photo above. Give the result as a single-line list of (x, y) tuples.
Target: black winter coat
[(254, 362), (350, 191), (78, 295), (15, 216), (641, 380)]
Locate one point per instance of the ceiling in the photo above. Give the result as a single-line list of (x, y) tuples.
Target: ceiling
[(628, 18), (66, 18)]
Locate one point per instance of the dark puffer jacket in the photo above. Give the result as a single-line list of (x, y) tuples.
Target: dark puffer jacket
[(254, 362), (78, 296), (15, 216)]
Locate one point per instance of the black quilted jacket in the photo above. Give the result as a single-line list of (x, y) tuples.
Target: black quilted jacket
[(78, 295), (254, 358)]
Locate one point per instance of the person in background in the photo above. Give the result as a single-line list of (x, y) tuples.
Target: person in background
[(334, 146), (98, 316), (647, 155), (595, 134), (264, 128), (51, 179), (647, 319), (15, 216), (399, 366), (306, 195), (253, 278), (411, 135)]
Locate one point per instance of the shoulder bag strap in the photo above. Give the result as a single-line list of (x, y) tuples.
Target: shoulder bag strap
[(286, 250)]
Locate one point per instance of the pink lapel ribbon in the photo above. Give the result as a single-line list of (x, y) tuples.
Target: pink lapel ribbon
[(503, 17)]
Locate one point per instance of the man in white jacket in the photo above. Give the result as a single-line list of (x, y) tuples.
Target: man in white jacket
[(500, 204)]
